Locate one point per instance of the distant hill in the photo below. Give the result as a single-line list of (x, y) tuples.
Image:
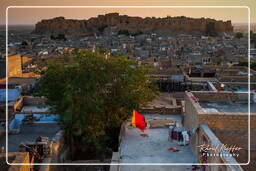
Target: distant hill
[(18, 27), (115, 22), (243, 27)]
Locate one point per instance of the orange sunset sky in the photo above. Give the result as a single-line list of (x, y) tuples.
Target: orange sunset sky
[(30, 16)]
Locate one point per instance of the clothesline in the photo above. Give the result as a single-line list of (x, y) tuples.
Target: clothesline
[(179, 134)]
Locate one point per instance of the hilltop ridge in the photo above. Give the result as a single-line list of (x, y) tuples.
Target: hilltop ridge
[(112, 22)]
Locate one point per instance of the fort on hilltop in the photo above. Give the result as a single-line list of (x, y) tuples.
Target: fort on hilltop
[(113, 22)]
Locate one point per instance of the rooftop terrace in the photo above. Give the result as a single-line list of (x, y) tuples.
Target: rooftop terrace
[(227, 107), (154, 148), (224, 102), (29, 133)]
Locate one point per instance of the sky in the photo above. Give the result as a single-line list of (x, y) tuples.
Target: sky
[(30, 16)]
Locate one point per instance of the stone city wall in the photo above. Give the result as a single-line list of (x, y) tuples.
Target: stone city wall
[(101, 23)]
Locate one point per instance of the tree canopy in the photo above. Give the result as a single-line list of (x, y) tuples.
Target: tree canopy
[(93, 94)]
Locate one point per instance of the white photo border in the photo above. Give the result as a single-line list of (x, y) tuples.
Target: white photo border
[(109, 7)]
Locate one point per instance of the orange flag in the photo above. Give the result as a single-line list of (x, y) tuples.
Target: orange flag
[(138, 120)]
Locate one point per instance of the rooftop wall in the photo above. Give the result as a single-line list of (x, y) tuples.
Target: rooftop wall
[(195, 115), (190, 117), (224, 96), (204, 135), (27, 100), (230, 128)]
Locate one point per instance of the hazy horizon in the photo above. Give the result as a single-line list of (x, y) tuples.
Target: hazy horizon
[(28, 16), (33, 24), (71, 18), (23, 16), (236, 25)]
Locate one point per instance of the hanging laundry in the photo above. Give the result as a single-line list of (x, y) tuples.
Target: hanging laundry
[(185, 137), (189, 133), (174, 135), (180, 137), (170, 133)]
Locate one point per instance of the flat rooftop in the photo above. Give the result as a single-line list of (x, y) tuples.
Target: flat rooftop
[(18, 80), (34, 109), (29, 133), (227, 107), (12, 95), (164, 100), (154, 148)]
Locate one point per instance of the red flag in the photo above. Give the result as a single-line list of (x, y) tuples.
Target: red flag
[(138, 120)]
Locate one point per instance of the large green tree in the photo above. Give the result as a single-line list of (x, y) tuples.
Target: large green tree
[(94, 95)]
